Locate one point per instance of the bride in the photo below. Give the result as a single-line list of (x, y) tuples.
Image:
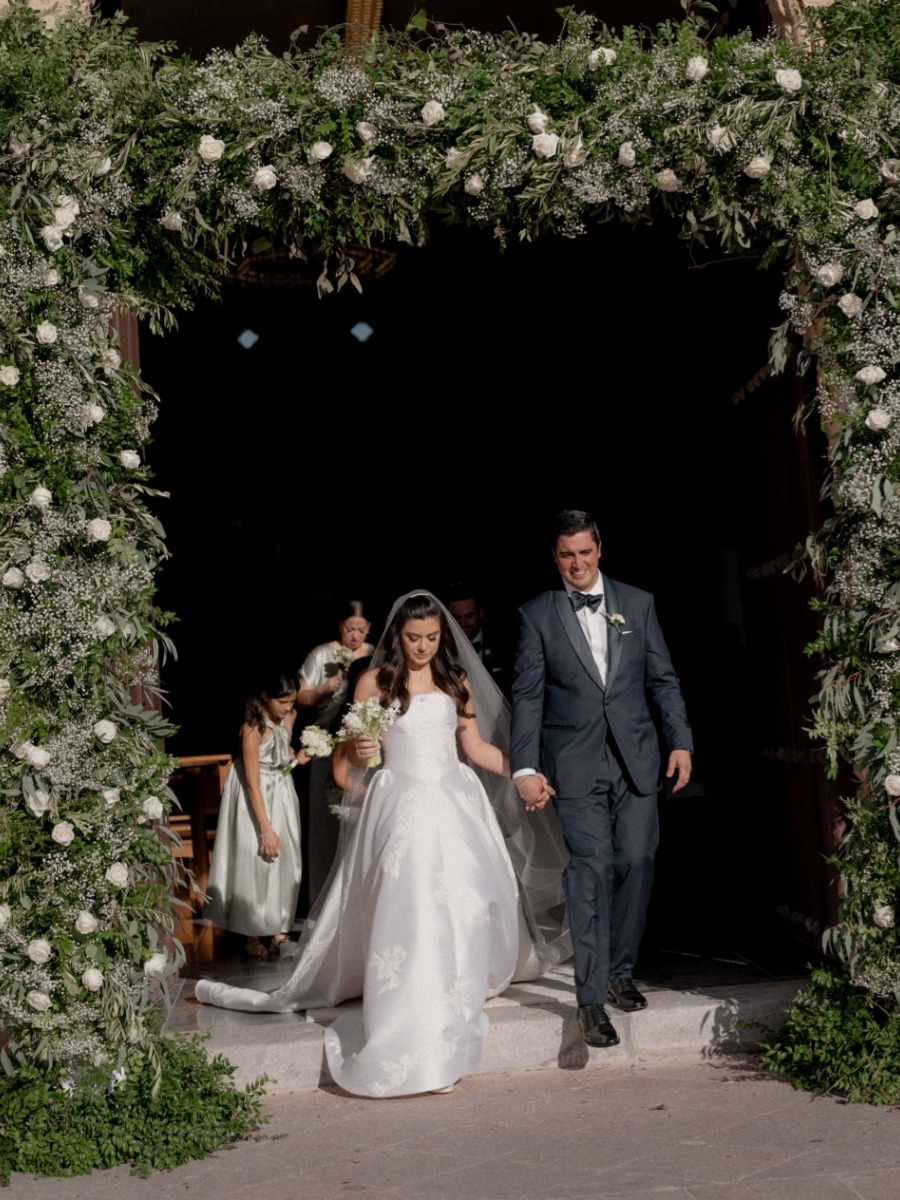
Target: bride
[(440, 894)]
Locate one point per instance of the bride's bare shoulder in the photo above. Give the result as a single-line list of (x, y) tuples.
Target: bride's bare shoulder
[(366, 686)]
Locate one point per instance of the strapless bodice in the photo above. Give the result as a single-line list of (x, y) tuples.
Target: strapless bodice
[(422, 743)]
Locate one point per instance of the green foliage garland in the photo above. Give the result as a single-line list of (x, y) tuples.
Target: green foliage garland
[(130, 179)]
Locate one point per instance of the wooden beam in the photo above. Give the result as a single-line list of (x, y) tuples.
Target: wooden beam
[(362, 19)]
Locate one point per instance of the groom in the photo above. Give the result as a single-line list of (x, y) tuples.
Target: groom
[(590, 657)]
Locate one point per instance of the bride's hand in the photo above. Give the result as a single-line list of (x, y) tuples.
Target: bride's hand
[(366, 747)]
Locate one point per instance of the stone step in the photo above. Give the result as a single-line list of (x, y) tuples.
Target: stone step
[(532, 1026)]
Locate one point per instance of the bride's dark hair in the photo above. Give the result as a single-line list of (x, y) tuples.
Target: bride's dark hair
[(446, 671)]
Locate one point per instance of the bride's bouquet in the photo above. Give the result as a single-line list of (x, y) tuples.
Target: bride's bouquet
[(363, 716)]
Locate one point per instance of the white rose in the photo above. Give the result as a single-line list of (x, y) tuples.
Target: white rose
[(63, 833), (38, 758), (883, 917), (5, 688), (99, 530), (13, 578), (51, 277), (575, 156), (696, 68), (452, 157), (721, 138), (366, 131), (266, 178), (86, 922), (545, 145), (41, 497), (602, 54), (757, 167), (88, 298), (172, 221), (319, 151), (112, 360), (887, 645), (37, 803), (52, 237), (95, 413), (92, 979), (62, 219), (538, 122), (21, 750), (890, 170), (474, 184), (105, 731), (866, 210), (39, 950), (104, 627), (433, 112), (39, 1001), (117, 874), (210, 148), (46, 333), (101, 166), (358, 172), (829, 274), (869, 375), (68, 204), (152, 807), (850, 305), (892, 785), (668, 181), (37, 571), (9, 376), (878, 420), (155, 964), (790, 80), (129, 458), (5, 915), (111, 797)]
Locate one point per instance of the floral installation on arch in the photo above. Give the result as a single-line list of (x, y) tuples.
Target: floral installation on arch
[(129, 180)]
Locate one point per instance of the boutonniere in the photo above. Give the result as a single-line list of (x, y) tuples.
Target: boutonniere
[(616, 620)]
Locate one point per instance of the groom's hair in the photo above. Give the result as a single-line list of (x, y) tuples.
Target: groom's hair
[(571, 521)]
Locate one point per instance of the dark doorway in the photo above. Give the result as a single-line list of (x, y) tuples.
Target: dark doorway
[(313, 464)]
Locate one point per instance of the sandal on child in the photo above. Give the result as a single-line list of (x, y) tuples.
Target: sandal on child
[(255, 949), (275, 944)]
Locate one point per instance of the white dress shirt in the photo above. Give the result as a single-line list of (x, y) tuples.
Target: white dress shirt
[(594, 626)]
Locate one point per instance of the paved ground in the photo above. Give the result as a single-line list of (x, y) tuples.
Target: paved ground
[(677, 1131)]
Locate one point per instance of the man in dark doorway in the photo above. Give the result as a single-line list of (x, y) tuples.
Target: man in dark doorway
[(465, 606)]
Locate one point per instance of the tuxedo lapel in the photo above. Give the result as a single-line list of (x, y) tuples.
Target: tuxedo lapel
[(613, 635), (575, 634)]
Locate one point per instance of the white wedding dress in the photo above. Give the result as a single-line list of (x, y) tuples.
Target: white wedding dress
[(421, 918)]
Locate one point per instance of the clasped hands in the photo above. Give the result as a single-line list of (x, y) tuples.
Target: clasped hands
[(534, 791)]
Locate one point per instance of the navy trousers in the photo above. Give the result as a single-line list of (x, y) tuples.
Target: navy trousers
[(611, 837)]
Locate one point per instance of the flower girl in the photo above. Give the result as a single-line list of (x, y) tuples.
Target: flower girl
[(254, 876)]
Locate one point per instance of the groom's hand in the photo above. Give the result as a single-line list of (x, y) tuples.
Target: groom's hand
[(680, 767), (534, 791)]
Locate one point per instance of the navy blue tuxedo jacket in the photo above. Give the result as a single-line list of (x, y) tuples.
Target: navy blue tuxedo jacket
[(562, 712)]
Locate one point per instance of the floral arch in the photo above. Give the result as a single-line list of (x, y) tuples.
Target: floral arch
[(129, 179)]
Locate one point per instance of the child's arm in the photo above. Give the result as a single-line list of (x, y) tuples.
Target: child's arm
[(268, 841)]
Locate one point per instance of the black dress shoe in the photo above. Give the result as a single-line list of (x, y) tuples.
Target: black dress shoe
[(625, 995), (596, 1027)]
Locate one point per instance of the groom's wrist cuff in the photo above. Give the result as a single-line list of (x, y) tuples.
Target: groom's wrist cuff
[(523, 771)]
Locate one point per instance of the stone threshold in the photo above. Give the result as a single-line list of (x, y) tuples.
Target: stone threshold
[(533, 1026)]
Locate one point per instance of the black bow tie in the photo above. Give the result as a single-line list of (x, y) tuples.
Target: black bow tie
[(582, 599)]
